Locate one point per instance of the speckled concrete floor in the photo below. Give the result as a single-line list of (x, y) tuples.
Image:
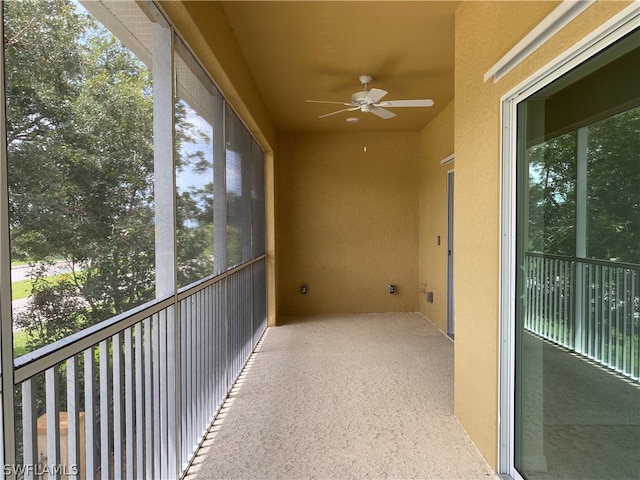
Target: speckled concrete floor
[(344, 397)]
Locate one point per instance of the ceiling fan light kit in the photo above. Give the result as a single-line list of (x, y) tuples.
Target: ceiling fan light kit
[(369, 101)]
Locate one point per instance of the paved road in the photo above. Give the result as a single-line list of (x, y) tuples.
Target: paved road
[(20, 272)]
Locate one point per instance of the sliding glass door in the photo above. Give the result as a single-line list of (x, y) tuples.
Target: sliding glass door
[(576, 328)]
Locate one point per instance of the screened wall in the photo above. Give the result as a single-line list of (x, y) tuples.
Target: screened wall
[(133, 232)]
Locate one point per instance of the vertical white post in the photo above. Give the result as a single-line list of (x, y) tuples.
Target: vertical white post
[(141, 400), (165, 205), (7, 424), (581, 237), (117, 390), (90, 401), (52, 388), (129, 409), (29, 427), (106, 442), (219, 187), (73, 419), (164, 180)]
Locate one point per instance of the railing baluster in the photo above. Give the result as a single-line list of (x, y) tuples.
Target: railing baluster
[(29, 427), (538, 298), (592, 309), (162, 397), (140, 402), (203, 348), (213, 349), (184, 413), (556, 301), (129, 409), (172, 362), (193, 414), (616, 334), (603, 315), (635, 334), (547, 298), (105, 411), (193, 312), (199, 366), (118, 394), (150, 397), (157, 431), (566, 295), (73, 419), (627, 318), (52, 396), (91, 454)]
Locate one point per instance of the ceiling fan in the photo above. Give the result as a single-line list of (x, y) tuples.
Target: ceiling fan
[(369, 100)]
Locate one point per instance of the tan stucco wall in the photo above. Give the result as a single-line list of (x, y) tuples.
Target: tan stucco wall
[(436, 143), (205, 29), (347, 222), (485, 31)]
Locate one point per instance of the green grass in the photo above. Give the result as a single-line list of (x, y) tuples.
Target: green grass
[(19, 342), (22, 288)]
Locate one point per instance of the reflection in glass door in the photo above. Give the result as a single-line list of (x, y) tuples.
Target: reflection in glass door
[(577, 332)]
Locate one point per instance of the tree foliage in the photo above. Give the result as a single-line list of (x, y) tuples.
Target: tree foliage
[(613, 191), (80, 143)]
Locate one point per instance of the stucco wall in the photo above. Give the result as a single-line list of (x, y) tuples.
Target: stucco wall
[(436, 143), (485, 31), (347, 222)]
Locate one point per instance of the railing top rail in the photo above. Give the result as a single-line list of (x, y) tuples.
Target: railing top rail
[(592, 261), (45, 357), (195, 287), (39, 360)]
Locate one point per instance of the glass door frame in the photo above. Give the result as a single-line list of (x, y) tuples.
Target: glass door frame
[(614, 29)]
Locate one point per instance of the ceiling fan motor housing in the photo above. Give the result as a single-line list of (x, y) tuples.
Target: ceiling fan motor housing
[(359, 97)]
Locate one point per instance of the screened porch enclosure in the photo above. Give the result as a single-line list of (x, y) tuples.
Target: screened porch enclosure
[(122, 162)]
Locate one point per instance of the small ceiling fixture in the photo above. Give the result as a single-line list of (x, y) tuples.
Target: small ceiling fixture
[(353, 120), (369, 100)]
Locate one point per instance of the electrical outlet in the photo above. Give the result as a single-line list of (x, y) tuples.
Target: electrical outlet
[(304, 289), (392, 289)]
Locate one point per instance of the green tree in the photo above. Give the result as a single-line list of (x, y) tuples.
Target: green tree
[(194, 205), (613, 191), (613, 204), (80, 143), (552, 201)]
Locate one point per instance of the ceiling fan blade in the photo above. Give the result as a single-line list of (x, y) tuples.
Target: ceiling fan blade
[(375, 94), (323, 101), (382, 113), (408, 103), (340, 111)]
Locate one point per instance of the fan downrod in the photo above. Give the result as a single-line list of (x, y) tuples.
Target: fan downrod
[(366, 80)]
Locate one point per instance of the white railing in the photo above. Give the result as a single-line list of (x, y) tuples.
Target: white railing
[(586, 305), (133, 397)]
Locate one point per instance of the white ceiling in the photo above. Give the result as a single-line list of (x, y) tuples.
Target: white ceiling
[(317, 50)]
